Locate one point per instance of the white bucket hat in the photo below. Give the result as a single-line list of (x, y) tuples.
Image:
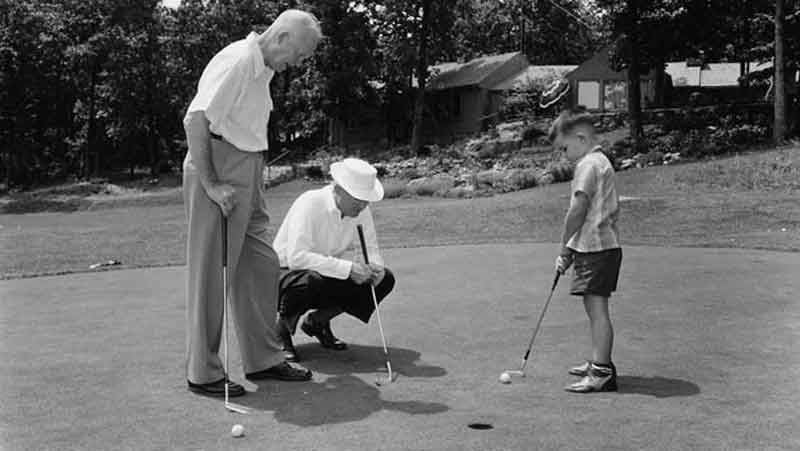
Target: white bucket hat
[(358, 178)]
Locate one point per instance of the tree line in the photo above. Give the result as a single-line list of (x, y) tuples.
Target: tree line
[(93, 86)]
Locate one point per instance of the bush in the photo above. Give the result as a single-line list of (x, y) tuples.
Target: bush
[(532, 133), (560, 170), (314, 172), (428, 186), (394, 188), (519, 179), (544, 178), (33, 204)]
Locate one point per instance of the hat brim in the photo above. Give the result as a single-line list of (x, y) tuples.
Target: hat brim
[(373, 195)]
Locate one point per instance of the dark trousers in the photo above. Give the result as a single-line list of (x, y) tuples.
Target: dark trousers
[(303, 290)]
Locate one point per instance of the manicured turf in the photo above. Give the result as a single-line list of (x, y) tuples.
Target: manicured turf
[(706, 342), (745, 201)]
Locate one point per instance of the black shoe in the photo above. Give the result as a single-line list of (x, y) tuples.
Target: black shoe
[(324, 334), (282, 371), (217, 389), (289, 352)]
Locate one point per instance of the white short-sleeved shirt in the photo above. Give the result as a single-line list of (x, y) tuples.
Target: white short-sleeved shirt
[(234, 94), (594, 176), (315, 236)]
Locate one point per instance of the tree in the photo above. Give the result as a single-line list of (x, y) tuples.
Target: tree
[(779, 130), (338, 83)]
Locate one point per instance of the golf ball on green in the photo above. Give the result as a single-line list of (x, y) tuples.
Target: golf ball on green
[(237, 430), (505, 378)]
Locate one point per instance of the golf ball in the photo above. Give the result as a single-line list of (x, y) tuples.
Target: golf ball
[(237, 430), (505, 378)]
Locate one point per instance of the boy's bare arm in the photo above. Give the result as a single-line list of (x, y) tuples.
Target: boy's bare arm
[(574, 219), (572, 223)]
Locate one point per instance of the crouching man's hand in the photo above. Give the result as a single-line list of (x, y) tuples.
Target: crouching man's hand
[(378, 272), (360, 273)]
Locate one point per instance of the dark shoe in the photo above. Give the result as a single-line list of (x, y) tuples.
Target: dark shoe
[(324, 334), (599, 378), (289, 352), (217, 389), (282, 371)]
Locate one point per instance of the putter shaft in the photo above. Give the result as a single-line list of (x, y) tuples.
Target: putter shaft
[(360, 230), (538, 325)]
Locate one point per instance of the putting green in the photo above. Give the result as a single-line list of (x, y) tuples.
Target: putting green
[(705, 347)]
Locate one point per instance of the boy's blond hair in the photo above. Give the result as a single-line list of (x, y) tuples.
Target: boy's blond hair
[(568, 121)]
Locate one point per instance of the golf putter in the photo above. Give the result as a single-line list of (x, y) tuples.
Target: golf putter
[(521, 371), (391, 377), (228, 405)]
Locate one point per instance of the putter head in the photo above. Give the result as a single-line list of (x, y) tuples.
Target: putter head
[(385, 380), (237, 408), (519, 373)]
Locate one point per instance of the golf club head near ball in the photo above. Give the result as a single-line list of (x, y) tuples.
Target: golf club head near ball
[(385, 380)]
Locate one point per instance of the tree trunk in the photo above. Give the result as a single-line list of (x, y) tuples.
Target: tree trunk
[(634, 84), (90, 133), (779, 129), (422, 75), (661, 74)]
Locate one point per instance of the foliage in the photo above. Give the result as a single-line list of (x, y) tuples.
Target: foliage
[(95, 86), (561, 171)]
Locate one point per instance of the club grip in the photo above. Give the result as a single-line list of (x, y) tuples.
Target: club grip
[(224, 241), (555, 280), (360, 230)]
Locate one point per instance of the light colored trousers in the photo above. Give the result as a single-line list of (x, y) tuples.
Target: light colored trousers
[(253, 267)]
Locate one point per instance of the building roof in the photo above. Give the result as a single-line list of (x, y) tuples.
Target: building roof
[(598, 67), (477, 72), (533, 74), (712, 74)]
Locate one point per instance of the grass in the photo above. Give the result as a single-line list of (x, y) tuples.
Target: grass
[(745, 201), (705, 347)]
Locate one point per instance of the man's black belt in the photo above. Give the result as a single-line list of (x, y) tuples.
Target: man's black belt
[(216, 136)]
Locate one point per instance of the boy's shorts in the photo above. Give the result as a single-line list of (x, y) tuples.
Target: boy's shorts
[(596, 272)]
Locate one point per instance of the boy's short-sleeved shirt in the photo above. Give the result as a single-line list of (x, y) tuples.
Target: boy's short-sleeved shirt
[(233, 92), (594, 176)]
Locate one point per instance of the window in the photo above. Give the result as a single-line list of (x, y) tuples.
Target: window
[(455, 104), (616, 96), (589, 94)]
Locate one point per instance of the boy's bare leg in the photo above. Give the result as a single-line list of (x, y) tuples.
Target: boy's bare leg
[(600, 324)]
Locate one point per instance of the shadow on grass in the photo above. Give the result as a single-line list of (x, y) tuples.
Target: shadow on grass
[(343, 397), (660, 387)]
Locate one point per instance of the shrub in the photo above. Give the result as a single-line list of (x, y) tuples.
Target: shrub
[(532, 133), (519, 179), (560, 170), (428, 186), (544, 178), (314, 172), (394, 188)]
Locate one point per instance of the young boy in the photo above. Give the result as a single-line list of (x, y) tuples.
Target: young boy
[(590, 242)]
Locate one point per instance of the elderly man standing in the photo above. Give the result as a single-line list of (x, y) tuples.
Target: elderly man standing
[(311, 242), (226, 131)]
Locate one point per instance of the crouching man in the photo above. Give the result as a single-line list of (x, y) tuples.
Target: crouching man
[(311, 242)]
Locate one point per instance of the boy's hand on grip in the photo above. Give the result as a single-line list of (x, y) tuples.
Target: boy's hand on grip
[(564, 260)]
